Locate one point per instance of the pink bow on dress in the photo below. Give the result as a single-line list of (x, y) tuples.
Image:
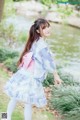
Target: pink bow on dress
[(27, 61)]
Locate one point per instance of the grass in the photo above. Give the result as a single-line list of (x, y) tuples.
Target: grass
[(8, 8), (66, 100), (38, 114)]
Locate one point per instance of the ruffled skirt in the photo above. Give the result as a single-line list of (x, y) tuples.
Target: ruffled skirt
[(25, 88)]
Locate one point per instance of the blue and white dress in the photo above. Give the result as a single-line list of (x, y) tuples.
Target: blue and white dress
[(27, 86)]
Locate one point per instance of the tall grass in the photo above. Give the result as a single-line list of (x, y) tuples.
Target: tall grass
[(66, 98)]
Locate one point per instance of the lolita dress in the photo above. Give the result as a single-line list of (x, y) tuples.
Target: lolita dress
[(26, 84)]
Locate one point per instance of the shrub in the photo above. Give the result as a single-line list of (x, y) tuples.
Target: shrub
[(65, 12), (9, 9), (23, 36), (68, 78), (8, 32), (47, 2), (11, 64), (66, 100), (5, 54), (49, 80)]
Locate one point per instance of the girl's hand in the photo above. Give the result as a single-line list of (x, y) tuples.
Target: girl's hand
[(57, 81)]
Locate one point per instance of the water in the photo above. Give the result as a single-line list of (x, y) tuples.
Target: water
[(65, 43)]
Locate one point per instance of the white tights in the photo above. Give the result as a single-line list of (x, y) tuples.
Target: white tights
[(27, 110)]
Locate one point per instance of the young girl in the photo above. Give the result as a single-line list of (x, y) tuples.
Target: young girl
[(35, 62)]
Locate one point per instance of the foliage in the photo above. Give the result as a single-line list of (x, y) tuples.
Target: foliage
[(73, 115), (10, 35), (22, 36), (5, 54), (8, 32), (9, 9), (9, 58), (62, 1), (49, 80), (17, 0), (66, 97), (68, 79), (69, 1), (11, 64), (66, 100), (74, 2), (77, 7), (46, 2), (65, 11)]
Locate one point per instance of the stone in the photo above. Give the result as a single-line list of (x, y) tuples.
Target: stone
[(54, 17)]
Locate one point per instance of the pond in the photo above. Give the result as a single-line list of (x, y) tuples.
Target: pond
[(65, 43)]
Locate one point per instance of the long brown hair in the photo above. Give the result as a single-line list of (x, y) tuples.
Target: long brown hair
[(39, 24)]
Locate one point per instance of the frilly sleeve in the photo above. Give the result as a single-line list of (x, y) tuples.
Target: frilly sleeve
[(48, 60)]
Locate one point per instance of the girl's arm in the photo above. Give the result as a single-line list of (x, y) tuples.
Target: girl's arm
[(57, 79), (49, 64), (47, 60)]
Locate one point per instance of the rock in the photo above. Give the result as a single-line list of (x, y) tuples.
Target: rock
[(27, 13), (30, 8), (74, 21), (54, 17)]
